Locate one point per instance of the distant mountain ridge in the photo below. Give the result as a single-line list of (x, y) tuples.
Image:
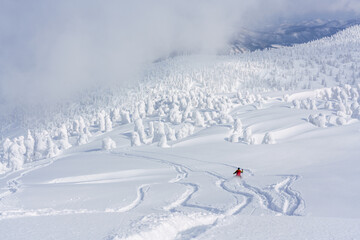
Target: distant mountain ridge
[(285, 35)]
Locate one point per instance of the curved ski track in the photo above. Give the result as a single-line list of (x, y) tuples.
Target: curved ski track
[(279, 198), (53, 212), (14, 183), (139, 199)]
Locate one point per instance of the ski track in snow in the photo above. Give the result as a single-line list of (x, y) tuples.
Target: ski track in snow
[(181, 174), (290, 201), (176, 226), (13, 184), (139, 199), (293, 203), (185, 198), (53, 212), (279, 199), (247, 198), (189, 191)]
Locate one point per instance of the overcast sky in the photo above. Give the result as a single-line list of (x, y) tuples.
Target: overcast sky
[(50, 49)]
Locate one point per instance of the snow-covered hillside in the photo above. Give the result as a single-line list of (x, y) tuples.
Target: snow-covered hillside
[(156, 161), (286, 34)]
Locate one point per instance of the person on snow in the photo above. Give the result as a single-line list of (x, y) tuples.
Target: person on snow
[(238, 172)]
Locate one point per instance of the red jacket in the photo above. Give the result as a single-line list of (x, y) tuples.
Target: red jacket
[(238, 172)]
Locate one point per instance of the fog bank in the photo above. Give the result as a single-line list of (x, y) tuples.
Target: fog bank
[(51, 50)]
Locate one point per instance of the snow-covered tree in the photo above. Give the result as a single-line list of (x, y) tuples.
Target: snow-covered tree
[(175, 115), (209, 103), (101, 121), (354, 94), (150, 107), (138, 125), (328, 94), (163, 142), (305, 104), (6, 146), (40, 144), (313, 104), (3, 168), (296, 104), (286, 97), (354, 106), (160, 130), (171, 133), (151, 129), (328, 105), (183, 103), (161, 111), (108, 144), (318, 120), (29, 145), (108, 123), (87, 132), (83, 139), (248, 137), (186, 130), (214, 115), (234, 137), (187, 112), (356, 113), (82, 125), (52, 149), (16, 158), (207, 117), (340, 121), (341, 107), (135, 139), (135, 115), (199, 120), (269, 138), (321, 120), (226, 118), (115, 115), (75, 127), (239, 95), (139, 128), (64, 139), (238, 127), (142, 109), (125, 117)]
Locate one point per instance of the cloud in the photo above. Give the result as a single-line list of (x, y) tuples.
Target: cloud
[(333, 9), (50, 49), (54, 49)]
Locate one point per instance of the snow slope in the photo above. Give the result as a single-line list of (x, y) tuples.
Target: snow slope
[(289, 117), (286, 34)]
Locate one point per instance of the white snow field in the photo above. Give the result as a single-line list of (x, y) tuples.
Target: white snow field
[(158, 161)]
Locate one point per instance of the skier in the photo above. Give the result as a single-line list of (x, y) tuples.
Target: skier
[(238, 172)]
